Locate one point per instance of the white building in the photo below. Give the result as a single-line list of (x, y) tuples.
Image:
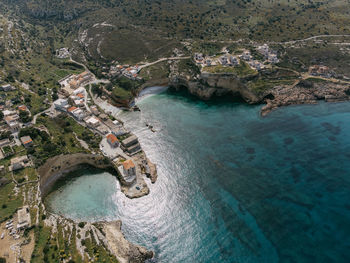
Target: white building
[(92, 121), (246, 55), (77, 113), (61, 104), (23, 216), (233, 61), (128, 171), (223, 60)]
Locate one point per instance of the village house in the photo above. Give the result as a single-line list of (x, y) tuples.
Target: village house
[(232, 61), (129, 171), (8, 112), (79, 102), (61, 104), (131, 145), (208, 62), (112, 140), (246, 55), (19, 163), (23, 218), (94, 110), (26, 141), (129, 168), (102, 129), (198, 58), (23, 108), (256, 65), (103, 117), (223, 60), (4, 142), (76, 113), (319, 70), (12, 122), (92, 121)]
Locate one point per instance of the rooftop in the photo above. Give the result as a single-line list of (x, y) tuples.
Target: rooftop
[(72, 109), (128, 164), (26, 139), (112, 138)]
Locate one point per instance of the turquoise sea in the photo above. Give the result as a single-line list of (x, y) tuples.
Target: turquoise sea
[(232, 186)]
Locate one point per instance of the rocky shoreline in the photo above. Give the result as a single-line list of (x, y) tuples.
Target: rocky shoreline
[(305, 92), (108, 234), (302, 92)]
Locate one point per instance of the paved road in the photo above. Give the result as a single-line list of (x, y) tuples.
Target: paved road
[(160, 60), (309, 38)]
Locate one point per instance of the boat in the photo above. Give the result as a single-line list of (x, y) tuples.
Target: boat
[(2, 235)]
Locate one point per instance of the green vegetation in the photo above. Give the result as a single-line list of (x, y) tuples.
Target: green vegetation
[(61, 138), (9, 202), (155, 72), (123, 89), (242, 70), (188, 67), (301, 58), (260, 85), (208, 48), (7, 150)]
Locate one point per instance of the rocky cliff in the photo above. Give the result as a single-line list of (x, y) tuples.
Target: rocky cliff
[(301, 92), (209, 85), (58, 167)]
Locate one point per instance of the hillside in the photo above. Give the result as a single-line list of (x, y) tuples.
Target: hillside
[(136, 29)]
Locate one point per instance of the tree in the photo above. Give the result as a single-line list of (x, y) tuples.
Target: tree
[(25, 117), (1, 115)]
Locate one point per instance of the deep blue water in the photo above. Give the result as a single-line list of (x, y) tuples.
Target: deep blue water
[(232, 186)]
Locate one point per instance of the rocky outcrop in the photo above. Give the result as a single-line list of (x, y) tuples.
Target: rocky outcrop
[(306, 92), (124, 251), (209, 85)]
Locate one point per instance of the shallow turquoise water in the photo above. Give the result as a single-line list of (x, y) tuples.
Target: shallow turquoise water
[(232, 186)]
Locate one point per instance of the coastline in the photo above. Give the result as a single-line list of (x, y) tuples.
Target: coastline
[(107, 234)]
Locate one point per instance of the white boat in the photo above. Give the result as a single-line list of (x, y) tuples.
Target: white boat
[(2, 235)]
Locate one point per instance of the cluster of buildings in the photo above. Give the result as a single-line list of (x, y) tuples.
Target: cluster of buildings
[(72, 82), (75, 105), (207, 61), (229, 60), (130, 72), (254, 64), (320, 70), (269, 54), (12, 122)]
